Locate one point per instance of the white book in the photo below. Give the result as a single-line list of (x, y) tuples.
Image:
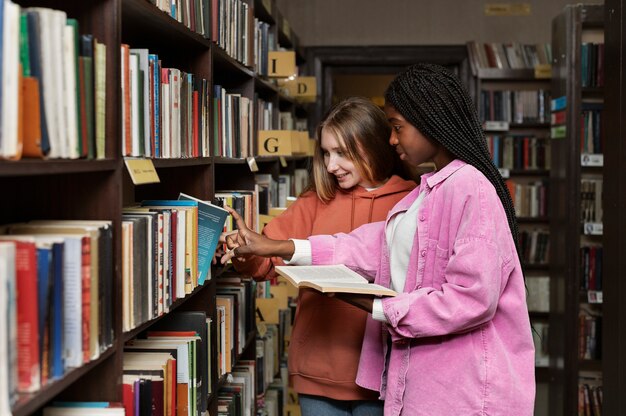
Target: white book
[(144, 65), (127, 298), (72, 301), (123, 86), (58, 20), (8, 325), (176, 137), (69, 89), (332, 278), (10, 81), (166, 106), (181, 238), (133, 64)]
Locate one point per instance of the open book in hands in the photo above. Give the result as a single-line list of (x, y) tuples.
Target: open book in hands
[(334, 278)]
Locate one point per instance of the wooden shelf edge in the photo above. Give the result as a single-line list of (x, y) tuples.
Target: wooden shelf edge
[(220, 57), (128, 335), (32, 167), (507, 74), (174, 163), (29, 403)]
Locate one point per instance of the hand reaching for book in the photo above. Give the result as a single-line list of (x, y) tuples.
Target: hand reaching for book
[(245, 242)]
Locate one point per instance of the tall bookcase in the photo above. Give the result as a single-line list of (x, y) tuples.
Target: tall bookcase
[(519, 143), (82, 189), (614, 370), (576, 212)]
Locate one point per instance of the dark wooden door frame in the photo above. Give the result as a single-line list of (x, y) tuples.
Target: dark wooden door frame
[(325, 61)]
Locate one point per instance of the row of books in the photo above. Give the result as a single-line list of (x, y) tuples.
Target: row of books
[(529, 199), (167, 250), (514, 106), (233, 124), (589, 335), (231, 29), (244, 202), (195, 14), (287, 121), (274, 193), (58, 276), (235, 306), (53, 86), (264, 42), (590, 395), (168, 368), (237, 396), (223, 21), (265, 111), (592, 64), (534, 246), (591, 200), (510, 55), (165, 111), (591, 129), (519, 152), (591, 267)]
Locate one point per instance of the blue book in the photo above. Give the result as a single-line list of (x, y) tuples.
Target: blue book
[(44, 285), (156, 74), (56, 330), (88, 405), (191, 250), (211, 219), (36, 70)]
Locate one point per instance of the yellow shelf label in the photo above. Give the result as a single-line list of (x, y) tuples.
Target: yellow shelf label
[(141, 171)]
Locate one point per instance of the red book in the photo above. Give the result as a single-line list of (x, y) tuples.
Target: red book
[(158, 393), (86, 294), (28, 369), (126, 99), (128, 398), (557, 117), (194, 124)]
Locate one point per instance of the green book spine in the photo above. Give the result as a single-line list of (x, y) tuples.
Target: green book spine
[(24, 45)]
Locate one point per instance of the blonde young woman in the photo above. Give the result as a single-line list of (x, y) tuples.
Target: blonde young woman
[(353, 183)]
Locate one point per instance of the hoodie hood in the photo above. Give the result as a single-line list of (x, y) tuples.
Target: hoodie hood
[(394, 186)]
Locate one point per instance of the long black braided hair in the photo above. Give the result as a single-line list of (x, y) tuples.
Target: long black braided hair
[(433, 100)]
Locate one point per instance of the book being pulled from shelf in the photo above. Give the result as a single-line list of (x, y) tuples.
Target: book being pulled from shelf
[(332, 279)]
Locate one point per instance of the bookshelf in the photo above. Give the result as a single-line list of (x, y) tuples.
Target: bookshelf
[(614, 371), (98, 189), (576, 215), (512, 103)]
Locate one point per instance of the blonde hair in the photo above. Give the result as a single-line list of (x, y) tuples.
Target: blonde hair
[(362, 130)]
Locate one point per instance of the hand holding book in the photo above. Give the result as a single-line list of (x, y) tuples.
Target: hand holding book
[(245, 242)]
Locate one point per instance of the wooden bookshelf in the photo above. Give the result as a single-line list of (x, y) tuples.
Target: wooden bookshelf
[(614, 360), (34, 189), (570, 29), (504, 127)]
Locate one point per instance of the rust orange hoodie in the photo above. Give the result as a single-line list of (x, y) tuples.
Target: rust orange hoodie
[(327, 333)]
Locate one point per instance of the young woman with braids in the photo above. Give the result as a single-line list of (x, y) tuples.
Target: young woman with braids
[(352, 184), (456, 340)]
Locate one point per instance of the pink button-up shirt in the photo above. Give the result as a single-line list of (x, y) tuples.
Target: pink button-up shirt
[(460, 336)]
